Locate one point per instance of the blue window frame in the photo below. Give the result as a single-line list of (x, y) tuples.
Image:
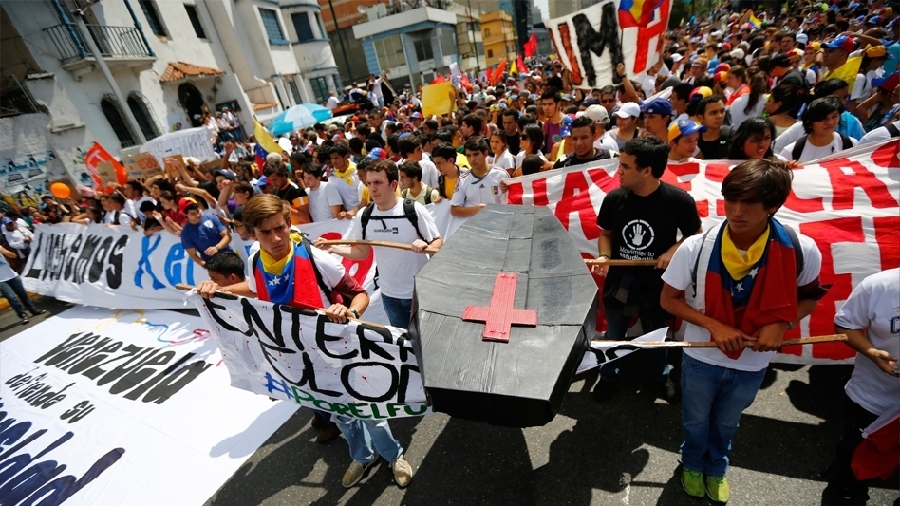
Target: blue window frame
[(273, 27), (302, 26)]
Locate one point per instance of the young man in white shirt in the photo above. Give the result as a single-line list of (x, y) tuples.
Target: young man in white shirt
[(413, 187), (344, 177), (325, 201), (870, 319), (481, 185), (411, 150), (742, 283), (386, 219), (12, 288)]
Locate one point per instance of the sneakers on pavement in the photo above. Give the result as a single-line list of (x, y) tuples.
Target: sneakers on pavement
[(402, 471), (603, 390), (38, 312), (329, 432), (24, 318), (669, 391), (355, 472), (718, 489), (692, 481)]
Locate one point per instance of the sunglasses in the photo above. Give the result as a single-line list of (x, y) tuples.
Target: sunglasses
[(610, 101), (524, 138)]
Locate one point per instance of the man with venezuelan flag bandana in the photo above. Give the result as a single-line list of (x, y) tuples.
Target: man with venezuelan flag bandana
[(741, 284)]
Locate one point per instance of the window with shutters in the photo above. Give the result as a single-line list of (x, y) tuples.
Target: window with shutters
[(302, 26), (273, 27), (117, 121), (195, 21), (319, 87), (152, 15)]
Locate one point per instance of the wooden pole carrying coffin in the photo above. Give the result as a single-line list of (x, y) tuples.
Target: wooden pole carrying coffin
[(502, 316)]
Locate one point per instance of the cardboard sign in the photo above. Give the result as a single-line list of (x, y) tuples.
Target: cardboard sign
[(148, 164), (107, 172), (211, 165), (436, 99), (174, 165)]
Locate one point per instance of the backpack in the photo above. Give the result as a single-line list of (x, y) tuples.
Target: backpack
[(893, 130), (801, 143), (304, 240), (409, 212), (795, 242), (425, 188)]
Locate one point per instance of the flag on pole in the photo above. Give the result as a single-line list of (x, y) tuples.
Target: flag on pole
[(512, 69), (530, 47), (264, 145), (753, 20), (520, 65), (637, 13)]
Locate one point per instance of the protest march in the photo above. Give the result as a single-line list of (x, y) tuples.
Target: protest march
[(698, 198)]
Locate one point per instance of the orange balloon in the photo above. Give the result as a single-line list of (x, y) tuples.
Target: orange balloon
[(60, 190)]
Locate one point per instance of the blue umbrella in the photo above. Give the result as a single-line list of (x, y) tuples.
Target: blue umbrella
[(297, 117)]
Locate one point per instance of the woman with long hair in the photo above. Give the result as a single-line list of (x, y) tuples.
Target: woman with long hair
[(753, 140), (502, 158), (750, 105), (530, 143), (784, 104), (737, 82), (820, 121)]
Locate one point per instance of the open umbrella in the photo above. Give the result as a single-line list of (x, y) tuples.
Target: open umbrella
[(297, 117)]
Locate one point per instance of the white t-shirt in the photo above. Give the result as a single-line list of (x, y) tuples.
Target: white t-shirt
[(606, 142), (6, 272), (396, 268), (790, 135), (321, 199), (504, 161), (678, 276), (873, 306), (521, 156), (471, 190), (878, 134), (109, 218), (349, 192), (811, 152), (862, 86), (331, 267), (737, 107), (332, 102), (810, 76), (430, 174)]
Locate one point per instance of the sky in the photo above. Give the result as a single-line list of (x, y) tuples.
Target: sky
[(544, 5)]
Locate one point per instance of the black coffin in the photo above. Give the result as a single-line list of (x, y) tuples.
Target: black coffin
[(520, 383)]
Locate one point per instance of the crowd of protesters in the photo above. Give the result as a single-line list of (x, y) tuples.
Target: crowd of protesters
[(767, 89)]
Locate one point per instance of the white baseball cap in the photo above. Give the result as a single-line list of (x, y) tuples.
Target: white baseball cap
[(597, 113), (628, 110)]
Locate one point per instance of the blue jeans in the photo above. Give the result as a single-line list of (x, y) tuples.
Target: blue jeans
[(365, 437), (14, 291), (714, 397), (398, 311), (656, 359)]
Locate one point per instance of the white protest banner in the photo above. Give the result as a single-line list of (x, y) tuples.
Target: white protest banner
[(592, 41), (192, 142), (354, 370), (104, 407), (847, 203)]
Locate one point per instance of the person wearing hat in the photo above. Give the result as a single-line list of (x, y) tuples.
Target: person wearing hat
[(582, 138), (683, 137), (883, 106), (626, 124), (809, 58), (657, 114), (602, 141), (873, 60), (838, 60)]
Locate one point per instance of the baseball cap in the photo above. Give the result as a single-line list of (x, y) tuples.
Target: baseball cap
[(416, 115), (802, 38), (227, 174), (700, 92), (879, 52), (677, 57), (263, 181), (841, 42), (590, 101), (566, 98), (684, 127), (888, 83), (6, 220), (597, 113), (628, 109), (376, 153), (658, 106), (874, 20), (184, 202)]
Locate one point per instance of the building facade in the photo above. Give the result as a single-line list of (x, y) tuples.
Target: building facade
[(166, 62), (468, 33), (411, 46), (498, 36)]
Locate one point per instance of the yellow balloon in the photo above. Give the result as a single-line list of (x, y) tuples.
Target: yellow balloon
[(60, 190)]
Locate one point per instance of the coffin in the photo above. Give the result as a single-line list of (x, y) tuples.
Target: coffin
[(522, 382)]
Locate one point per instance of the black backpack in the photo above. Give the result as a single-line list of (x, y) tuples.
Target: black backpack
[(304, 240), (801, 143), (409, 212), (893, 130)]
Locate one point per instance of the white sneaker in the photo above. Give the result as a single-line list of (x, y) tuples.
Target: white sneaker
[(402, 471), (355, 472)]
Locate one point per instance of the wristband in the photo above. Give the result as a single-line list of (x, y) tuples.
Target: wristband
[(604, 254), (355, 313)]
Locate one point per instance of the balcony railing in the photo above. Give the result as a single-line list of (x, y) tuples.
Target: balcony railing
[(113, 41)]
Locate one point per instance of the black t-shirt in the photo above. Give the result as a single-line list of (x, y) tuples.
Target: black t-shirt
[(512, 143), (571, 161), (643, 228), (717, 149), (291, 193)]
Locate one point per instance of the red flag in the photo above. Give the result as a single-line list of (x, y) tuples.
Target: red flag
[(438, 80), (531, 46), (498, 73), (520, 65), (92, 159)]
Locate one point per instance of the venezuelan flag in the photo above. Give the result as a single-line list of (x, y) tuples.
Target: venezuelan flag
[(637, 13), (753, 20), (264, 144)]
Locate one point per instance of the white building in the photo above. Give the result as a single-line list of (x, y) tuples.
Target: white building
[(168, 60)]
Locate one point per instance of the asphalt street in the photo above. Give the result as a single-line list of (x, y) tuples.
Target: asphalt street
[(625, 451)]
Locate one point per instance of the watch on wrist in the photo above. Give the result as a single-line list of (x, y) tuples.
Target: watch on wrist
[(791, 325)]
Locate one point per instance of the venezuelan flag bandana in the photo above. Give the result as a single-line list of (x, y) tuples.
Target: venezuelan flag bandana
[(750, 293), (290, 281)]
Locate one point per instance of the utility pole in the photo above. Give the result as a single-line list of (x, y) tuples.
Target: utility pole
[(337, 29)]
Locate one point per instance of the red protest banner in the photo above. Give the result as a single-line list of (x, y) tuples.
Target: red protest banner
[(847, 203)]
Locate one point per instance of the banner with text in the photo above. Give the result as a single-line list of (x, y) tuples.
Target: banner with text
[(104, 407), (847, 203), (353, 370), (593, 41)]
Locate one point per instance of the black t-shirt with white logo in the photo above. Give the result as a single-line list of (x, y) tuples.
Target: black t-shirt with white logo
[(643, 228), (717, 149)]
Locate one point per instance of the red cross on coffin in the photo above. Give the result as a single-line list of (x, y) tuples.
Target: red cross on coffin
[(500, 316)]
